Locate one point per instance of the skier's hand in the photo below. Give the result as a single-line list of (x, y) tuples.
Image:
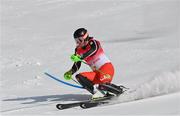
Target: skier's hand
[(76, 58), (68, 75)]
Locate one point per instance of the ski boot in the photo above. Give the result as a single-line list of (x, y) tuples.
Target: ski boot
[(112, 89)]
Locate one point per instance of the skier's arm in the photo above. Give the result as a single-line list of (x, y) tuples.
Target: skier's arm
[(75, 67), (94, 48)]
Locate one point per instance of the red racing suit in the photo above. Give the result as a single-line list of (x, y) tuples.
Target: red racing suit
[(94, 56)]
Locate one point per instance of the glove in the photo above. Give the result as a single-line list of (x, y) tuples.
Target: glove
[(68, 75), (76, 58)]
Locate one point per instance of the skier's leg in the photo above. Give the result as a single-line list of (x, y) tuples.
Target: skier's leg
[(86, 83), (104, 75), (86, 79)]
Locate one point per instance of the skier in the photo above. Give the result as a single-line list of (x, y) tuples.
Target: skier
[(89, 51)]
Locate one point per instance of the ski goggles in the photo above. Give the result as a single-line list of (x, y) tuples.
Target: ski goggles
[(78, 41)]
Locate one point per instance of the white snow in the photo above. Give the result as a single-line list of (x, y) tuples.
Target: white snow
[(141, 37)]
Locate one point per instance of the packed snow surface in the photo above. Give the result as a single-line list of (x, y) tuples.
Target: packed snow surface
[(141, 38)]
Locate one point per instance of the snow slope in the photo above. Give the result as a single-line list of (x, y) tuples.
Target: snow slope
[(141, 37)]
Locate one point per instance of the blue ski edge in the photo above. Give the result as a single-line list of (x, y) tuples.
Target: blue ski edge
[(66, 83)]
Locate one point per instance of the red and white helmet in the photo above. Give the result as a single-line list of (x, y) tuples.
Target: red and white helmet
[(81, 36)]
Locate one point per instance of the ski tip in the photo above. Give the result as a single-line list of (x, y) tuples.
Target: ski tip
[(59, 106)]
